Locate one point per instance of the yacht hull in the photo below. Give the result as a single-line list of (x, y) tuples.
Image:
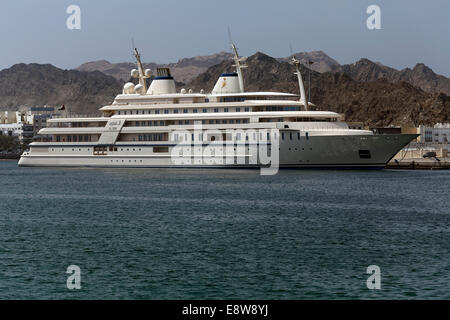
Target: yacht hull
[(340, 151)]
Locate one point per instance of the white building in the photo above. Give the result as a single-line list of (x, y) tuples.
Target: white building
[(26, 122), (23, 131), (440, 133)]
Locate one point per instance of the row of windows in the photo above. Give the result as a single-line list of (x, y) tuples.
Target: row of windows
[(291, 134), (167, 111), (74, 139), (184, 122), (224, 136), (152, 137)]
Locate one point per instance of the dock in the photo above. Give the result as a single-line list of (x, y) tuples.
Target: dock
[(420, 163)]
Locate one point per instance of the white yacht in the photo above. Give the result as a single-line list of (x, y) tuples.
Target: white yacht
[(228, 127)]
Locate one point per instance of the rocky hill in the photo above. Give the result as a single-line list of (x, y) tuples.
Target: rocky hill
[(187, 69), (367, 92), (376, 103), (43, 84), (183, 70), (321, 61), (420, 76)]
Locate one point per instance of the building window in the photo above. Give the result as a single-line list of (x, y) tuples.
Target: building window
[(204, 110), (160, 149), (238, 109)]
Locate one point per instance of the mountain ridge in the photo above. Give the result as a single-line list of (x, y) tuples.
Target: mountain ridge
[(373, 100)]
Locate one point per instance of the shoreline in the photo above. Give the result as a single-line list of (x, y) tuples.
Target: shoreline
[(420, 164)]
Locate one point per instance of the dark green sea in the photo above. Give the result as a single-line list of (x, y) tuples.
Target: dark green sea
[(223, 234)]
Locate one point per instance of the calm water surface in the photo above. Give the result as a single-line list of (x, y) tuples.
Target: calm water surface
[(223, 234)]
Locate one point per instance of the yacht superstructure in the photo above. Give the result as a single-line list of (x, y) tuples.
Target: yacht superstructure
[(228, 127)]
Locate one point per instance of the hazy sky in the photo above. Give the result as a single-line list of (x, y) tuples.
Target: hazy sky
[(165, 31)]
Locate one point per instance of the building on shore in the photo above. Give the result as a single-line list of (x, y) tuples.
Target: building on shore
[(23, 131), (439, 133), (26, 122)]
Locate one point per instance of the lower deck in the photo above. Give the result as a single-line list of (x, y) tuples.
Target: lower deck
[(290, 151)]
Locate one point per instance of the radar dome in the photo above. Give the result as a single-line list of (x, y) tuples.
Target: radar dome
[(148, 72), (183, 91), (134, 73), (139, 89), (129, 88)]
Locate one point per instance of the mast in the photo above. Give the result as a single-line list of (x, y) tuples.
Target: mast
[(303, 99), (142, 75), (239, 64)]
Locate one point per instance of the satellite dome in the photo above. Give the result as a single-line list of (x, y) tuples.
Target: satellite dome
[(183, 91), (148, 72), (129, 88), (134, 73), (139, 89)]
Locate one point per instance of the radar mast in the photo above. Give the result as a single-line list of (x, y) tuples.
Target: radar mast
[(239, 63), (303, 99), (142, 75)]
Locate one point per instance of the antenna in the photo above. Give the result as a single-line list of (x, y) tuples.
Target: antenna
[(132, 46), (303, 99), (239, 62), (229, 35), (142, 75)]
